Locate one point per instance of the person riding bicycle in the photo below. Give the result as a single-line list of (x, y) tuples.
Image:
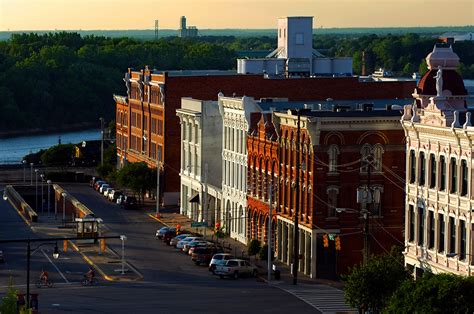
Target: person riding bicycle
[(44, 276), (90, 274)]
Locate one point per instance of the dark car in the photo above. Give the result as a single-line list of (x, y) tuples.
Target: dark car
[(130, 202), (168, 235), (203, 255)]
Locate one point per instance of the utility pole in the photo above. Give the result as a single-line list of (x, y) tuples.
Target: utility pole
[(204, 196), (101, 141), (158, 173), (269, 237), (297, 204), (366, 215)]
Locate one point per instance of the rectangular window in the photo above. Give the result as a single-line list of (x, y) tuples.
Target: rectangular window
[(160, 153), (145, 122), (462, 249), (452, 235), (441, 232), (160, 127), (422, 169), (421, 226), (412, 166), (432, 229), (442, 185), (432, 171), (411, 217), (464, 184), (454, 176)]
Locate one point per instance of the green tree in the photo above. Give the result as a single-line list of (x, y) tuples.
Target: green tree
[(59, 155), (8, 304), (370, 287), (263, 253), (137, 177), (441, 293), (253, 247)]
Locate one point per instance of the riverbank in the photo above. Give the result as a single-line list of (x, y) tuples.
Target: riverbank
[(50, 130)]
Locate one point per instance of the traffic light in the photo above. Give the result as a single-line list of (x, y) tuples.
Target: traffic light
[(325, 240), (178, 229), (65, 245), (338, 243)]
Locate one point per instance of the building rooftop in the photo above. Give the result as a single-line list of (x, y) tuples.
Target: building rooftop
[(328, 105)]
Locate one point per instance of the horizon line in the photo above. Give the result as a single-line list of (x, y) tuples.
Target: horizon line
[(248, 29)]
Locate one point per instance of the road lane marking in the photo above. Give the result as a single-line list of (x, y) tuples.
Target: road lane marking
[(49, 259)]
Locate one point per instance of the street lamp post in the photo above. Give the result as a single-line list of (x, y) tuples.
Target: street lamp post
[(36, 188), (28, 257), (64, 194), (49, 194), (24, 170), (31, 173), (123, 238), (42, 192)]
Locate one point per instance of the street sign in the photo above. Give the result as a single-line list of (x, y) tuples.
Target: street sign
[(198, 224)]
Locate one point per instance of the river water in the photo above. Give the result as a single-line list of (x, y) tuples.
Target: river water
[(13, 149)]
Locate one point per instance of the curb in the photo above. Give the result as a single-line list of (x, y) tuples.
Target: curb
[(158, 219), (101, 272), (88, 260)]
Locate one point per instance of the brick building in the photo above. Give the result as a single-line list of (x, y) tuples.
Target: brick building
[(147, 125), (263, 169), (334, 148)]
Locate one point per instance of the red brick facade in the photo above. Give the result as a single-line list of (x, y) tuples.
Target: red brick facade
[(263, 163), (327, 184)]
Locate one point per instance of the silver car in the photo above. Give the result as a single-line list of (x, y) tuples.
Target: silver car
[(181, 243), (178, 238)]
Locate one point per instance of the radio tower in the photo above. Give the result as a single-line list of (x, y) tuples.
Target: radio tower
[(156, 29)]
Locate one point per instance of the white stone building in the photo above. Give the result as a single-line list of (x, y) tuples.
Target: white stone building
[(201, 162), (236, 118), (439, 192)]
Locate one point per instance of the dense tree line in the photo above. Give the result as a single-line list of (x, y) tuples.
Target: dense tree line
[(59, 79)]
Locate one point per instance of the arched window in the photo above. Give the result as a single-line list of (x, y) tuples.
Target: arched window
[(378, 152), (365, 152), (333, 153)]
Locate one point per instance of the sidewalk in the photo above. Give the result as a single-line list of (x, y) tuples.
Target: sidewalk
[(170, 217)]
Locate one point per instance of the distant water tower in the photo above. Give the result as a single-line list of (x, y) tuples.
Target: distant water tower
[(156, 29)]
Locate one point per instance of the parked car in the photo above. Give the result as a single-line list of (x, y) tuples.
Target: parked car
[(103, 187), (182, 242), (196, 242), (129, 202), (107, 191), (236, 268), (98, 184), (120, 199), (168, 235), (219, 259), (160, 232), (178, 238), (202, 255), (113, 196), (192, 246), (93, 181), (2, 257)]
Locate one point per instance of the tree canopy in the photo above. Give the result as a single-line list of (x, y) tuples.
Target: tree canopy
[(137, 177), (370, 287), (442, 293), (60, 79)]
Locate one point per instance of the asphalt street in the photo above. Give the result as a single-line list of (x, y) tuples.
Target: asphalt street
[(171, 282)]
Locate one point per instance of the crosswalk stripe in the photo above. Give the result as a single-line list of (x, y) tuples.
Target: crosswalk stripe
[(326, 299)]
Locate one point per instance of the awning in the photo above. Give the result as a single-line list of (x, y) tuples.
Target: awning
[(194, 198)]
